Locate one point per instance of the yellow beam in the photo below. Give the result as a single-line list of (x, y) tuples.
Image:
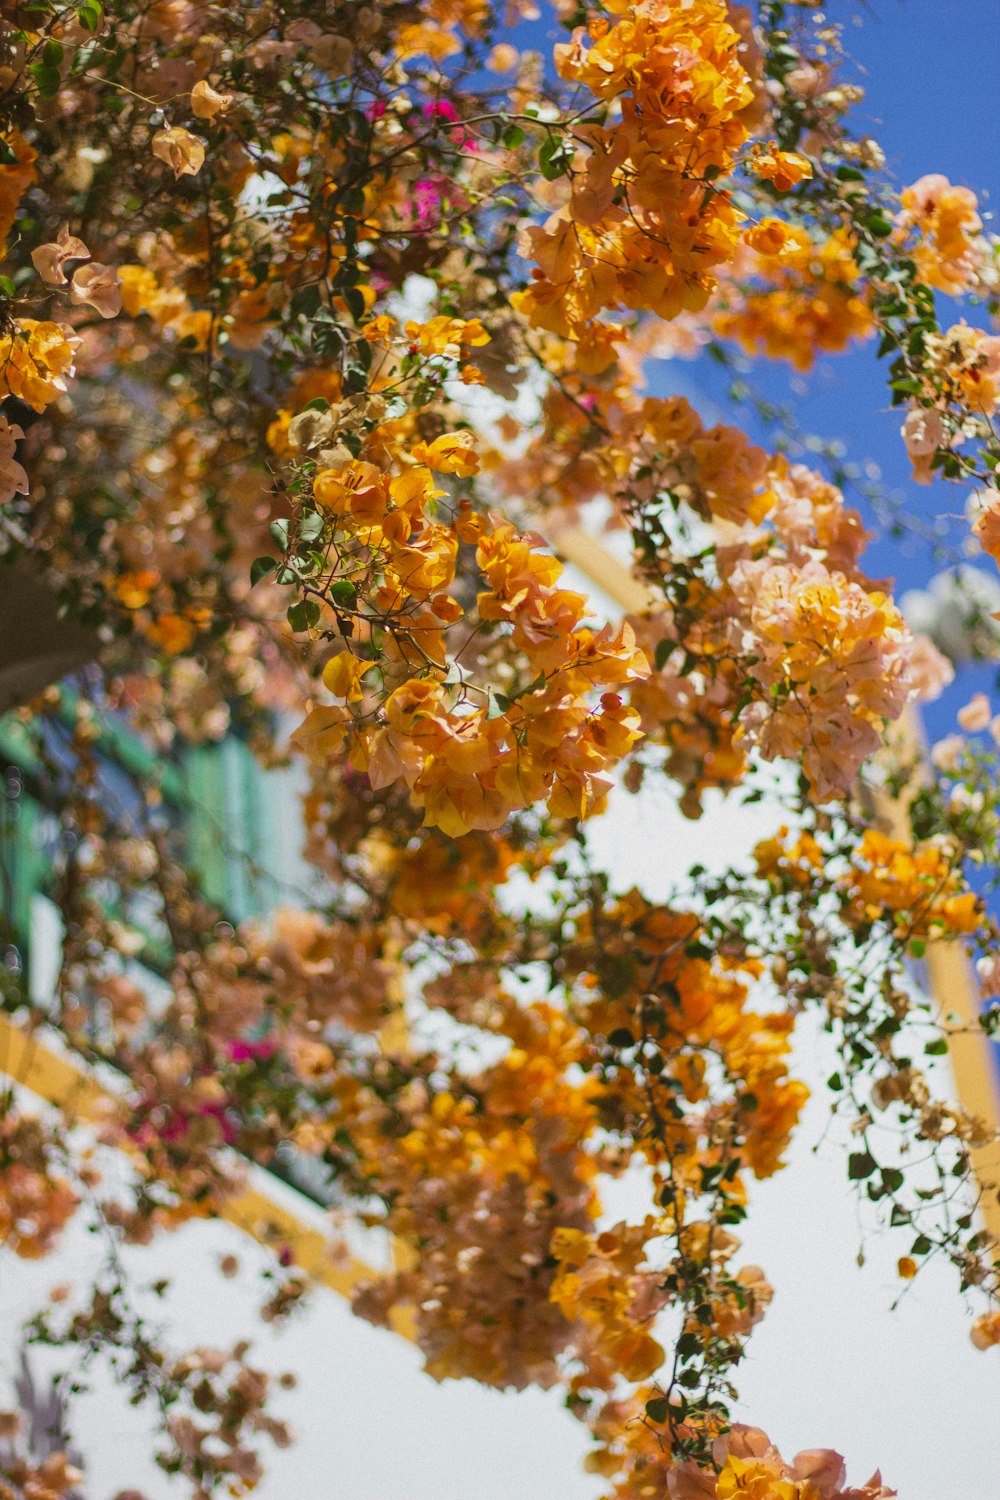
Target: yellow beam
[(31, 1059), (612, 577), (953, 986)]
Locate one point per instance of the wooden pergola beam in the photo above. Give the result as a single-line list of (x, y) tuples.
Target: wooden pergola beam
[(37, 1061)]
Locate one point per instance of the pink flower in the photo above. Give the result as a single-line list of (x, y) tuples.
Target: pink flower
[(923, 433), (945, 755), (823, 1468), (873, 1490), (97, 286), (427, 202), (930, 671), (48, 260), (976, 714), (243, 1051), (988, 974), (688, 1482), (441, 109)]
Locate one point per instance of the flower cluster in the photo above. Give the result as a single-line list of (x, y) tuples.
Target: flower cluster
[(801, 297), (36, 1200), (35, 359), (943, 223), (466, 764), (645, 226), (918, 887), (832, 659)]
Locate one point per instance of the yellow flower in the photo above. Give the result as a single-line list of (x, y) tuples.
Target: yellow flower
[(776, 240), (34, 360), (206, 103), (451, 453), (321, 733), (342, 675), (182, 151), (746, 1479)]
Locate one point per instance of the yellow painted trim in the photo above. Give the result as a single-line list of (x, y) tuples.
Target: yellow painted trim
[(31, 1061), (612, 577), (952, 985), (27, 1059), (951, 982)]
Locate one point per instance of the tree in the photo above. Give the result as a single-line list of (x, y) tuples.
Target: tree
[(309, 313)]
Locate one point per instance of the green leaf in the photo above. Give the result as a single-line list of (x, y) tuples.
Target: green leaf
[(662, 654), (355, 302), (621, 1037), (355, 379), (878, 226), (260, 568), (279, 531), (513, 136), (553, 158), (860, 1164), (343, 593), (47, 80), (658, 1409), (307, 300), (311, 526), (303, 615)]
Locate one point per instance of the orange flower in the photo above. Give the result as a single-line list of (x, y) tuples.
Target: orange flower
[(775, 240), (786, 169), (15, 178)]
